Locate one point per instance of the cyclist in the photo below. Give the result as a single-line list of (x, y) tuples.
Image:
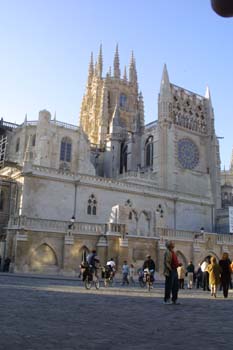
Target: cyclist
[(93, 261), (150, 265), (112, 264)]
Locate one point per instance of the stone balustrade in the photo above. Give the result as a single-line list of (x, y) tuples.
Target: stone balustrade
[(26, 223), (35, 224)]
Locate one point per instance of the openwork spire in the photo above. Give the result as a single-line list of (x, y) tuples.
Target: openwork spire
[(116, 64), (125, 74), (99, 68), (132, 71), (90, 70)]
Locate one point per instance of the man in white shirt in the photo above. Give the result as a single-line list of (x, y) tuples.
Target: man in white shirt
[(205, 280), (112, 263)]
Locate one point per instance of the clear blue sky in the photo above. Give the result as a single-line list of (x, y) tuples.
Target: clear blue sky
[(46, 44)]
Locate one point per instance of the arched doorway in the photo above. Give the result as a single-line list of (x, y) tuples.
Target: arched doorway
[(44, 259)]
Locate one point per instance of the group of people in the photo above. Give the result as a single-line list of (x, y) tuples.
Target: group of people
[(91, 265), (210, 274)]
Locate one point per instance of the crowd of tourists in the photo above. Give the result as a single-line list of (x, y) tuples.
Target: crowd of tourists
[(209, 275)]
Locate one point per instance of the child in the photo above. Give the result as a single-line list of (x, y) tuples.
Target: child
[(214, 275)]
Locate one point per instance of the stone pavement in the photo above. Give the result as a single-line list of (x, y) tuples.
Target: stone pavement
[(46, 313)]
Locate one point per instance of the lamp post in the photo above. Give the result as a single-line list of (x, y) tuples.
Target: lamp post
[(71, 224), (202, 231)]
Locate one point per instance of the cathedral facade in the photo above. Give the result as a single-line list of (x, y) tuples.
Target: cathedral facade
[(112, 183)]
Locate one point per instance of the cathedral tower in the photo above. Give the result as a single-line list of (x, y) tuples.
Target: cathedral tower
[(103, 94)]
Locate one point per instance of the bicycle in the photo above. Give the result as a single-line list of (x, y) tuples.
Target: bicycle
[(107, 274), (146, 279), (91, 279)]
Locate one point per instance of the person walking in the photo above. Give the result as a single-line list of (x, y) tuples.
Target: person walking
[(181, 275), (131, 274), (205, 275), (214, 271), (199, 276), (190, 273), (170, 272), (125, 272), (225, 265), (150, 265)]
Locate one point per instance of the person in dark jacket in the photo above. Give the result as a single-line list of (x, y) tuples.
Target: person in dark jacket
[(149, 263), (199, 276), (6, 265), (225, 265), (190, 273)]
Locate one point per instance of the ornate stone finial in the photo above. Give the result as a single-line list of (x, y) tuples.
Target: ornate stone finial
[(207, 95), (141, 103), (116, 64), (125, 74), (132, 70), (165, 84), (231, 165), (100, 63), (91, 69)]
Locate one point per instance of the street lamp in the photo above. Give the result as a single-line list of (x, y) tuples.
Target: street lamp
[(202, 231), (71, 224)]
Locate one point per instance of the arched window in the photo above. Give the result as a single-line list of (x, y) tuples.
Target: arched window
[(34, 140), (123, 159), (2, 199), (123, 100), (17, 145), (66, 148), (149, 152), (92, 205)]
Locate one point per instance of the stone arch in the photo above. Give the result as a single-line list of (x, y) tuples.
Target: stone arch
[(144, 223), (181, 258), (132, 222), (43, 259), (208, 255), (83, 252)]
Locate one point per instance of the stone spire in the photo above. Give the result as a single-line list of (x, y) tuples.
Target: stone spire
[(207, 93), (132, 71), (165, 97), (210, 120), (25, 119), (103, 115), (125, 74), (231, 165), (165, 84), (116, 64), (99, 67), (90, 70), (141, 103)]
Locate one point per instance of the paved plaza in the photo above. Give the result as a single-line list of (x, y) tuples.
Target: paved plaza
[(48, 313)]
